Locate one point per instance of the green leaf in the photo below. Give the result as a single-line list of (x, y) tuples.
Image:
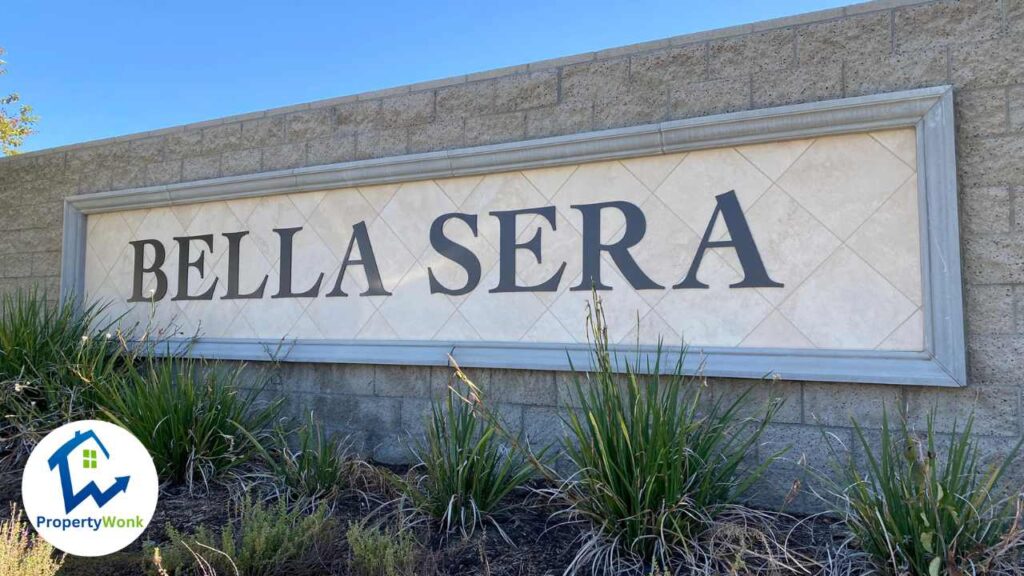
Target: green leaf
[(933, 567), (926, 541)]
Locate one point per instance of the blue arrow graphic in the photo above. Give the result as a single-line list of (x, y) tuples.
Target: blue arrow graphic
[(91, 490)]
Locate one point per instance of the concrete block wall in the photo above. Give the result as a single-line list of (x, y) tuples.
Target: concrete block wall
[(975, 45)]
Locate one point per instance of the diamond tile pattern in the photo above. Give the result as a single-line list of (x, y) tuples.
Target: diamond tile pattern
[(835, 219)]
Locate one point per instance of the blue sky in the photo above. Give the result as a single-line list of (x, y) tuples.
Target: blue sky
[(94, 69)]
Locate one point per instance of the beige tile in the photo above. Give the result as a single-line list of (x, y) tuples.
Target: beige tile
[(458, 189), (908, 336), (549, 181), (718, 315), (691, 188), (776, 332), (774, 158), (846, 304), (890, 241), (500, 316), (902, 143), (842, 180), (411, 312), (652, 170)]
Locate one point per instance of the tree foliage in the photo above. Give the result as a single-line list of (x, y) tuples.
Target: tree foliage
[(16, 121)]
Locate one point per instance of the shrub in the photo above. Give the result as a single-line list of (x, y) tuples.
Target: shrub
[(50, 357), (465, 470), (269, 539), (376, 552), (656, 460), (194, 418), (917, 512), (21, 552), (317, 469)]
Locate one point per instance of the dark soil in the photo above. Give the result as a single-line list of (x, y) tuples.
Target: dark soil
[(539, 545)]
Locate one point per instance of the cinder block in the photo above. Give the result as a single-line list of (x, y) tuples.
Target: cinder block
[(560, 119), (995, 359), (900, 71), (530, 387), (990, 309), (444, 134), (220, 138), (332, 149), (240, 162), (986, 210), (982, 112), (357, 115), (470, 99), (394, 449), (309, 124), (408, 381), (670, 66), (939, 24), (48, 215), (46, 264), (994, 63), (853, 38), (832, 404), (544, 428), (590, 81), (127, 176), (327, 379), (1016, 103), (99, 180), (166, 172), (758, 394), (380, 143), (180, 144), (995, 409), (639, 104), (407, 109), (525, 91), (710, 97), (758, 52), (261, 132), (807, 452), (93, 157), (1018, 308), (808, 83), (284, 156), (495, 128), (200, 168), (994, 259), (147, 150), (991, 161), (372, 415), (16, 265)]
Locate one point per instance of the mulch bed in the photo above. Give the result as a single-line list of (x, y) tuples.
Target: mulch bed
[(542, 546)]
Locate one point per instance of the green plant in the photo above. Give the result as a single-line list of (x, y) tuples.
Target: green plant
[(920, 513), (269, 539), (377, 552), (21, 552), (465, 470), (195, 418), (656, 460), (315, 468), (51, 356)]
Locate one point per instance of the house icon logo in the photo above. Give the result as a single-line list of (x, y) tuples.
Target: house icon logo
[(90, 488), (61, 459)]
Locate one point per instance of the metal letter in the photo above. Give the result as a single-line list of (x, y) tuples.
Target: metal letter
[(740, 239)]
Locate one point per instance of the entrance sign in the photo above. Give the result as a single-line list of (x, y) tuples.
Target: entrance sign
[(814, 242)]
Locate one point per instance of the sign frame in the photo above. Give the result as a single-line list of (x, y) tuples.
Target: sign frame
[(942, 362)]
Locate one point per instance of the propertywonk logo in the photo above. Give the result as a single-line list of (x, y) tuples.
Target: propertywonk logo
[(90, 488)]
